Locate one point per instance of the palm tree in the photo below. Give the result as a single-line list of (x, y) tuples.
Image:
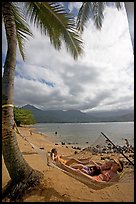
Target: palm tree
[(53, 21), (130, 15), (95, 11)]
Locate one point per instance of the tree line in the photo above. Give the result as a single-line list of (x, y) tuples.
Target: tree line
[(53, 20), (23, 116)]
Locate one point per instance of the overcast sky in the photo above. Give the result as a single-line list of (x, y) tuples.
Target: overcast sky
[(102, 79)]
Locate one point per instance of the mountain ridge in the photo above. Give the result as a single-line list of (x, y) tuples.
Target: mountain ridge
[(77, 116)]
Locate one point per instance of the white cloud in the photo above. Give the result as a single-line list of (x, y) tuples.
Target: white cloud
[(75, 5), (101, 79)]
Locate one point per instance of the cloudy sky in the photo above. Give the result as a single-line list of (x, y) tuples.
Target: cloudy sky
[(102, 79)]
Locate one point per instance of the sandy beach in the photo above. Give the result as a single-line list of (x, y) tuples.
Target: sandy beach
[(59, 187)]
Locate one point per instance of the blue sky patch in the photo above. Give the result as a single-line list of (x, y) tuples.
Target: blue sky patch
[(43, 81)]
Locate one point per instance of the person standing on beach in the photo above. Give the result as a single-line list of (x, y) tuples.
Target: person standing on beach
[(30, 132), (127, 143)]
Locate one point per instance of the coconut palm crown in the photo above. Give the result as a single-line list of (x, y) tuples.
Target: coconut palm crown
[(52, 20), (92, 10), (95, 11)]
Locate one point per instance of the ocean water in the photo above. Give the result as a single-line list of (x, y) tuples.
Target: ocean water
[(86, 134)]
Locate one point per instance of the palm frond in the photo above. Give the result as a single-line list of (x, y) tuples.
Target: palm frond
[(83, 15), (22, 28), (53, 21), (118, 5), (94, 10), (98, 9), (21, 46)]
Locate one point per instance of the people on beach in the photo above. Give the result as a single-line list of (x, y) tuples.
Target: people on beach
[(127, 143), (104, 172), (59, 158), (30, 131), (112, 173), (90, 170)]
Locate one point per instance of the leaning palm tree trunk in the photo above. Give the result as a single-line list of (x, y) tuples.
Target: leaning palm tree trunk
[(17, 167), (129, 6)]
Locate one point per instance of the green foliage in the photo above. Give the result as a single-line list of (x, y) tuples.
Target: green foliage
[(23, 116), (52, 20), (95, 11)]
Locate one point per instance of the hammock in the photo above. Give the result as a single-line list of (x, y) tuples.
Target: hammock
[(80, 176), (77, 174)]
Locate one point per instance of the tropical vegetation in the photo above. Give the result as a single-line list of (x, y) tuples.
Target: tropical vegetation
[(52, 20), (23, 116), (95, 10)]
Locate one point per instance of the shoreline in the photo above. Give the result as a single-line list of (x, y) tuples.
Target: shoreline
[(101, 152), (86, 135), (59, 187)]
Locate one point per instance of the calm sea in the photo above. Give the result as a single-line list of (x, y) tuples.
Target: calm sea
[(86, 134)]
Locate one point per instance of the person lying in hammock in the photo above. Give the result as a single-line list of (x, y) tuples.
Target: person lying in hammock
[(104, 172), (59, 158)]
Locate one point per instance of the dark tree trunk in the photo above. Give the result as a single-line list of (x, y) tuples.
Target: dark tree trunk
[(130, 14), (18, 168)]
